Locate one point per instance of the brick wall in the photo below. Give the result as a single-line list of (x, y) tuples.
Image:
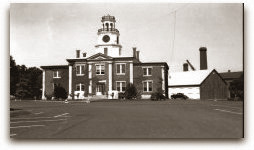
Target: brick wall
[(156, 78), (49, 80)]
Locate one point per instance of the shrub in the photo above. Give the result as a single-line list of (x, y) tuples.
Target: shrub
[(60, 93), (179, 95), (157, 96), (131, 92)]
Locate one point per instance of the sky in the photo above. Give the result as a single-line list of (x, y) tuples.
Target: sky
[(48, 34)]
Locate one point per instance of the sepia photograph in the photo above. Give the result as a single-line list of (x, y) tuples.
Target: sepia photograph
[(126, 71)]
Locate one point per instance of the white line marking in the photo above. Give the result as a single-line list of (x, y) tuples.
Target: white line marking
[(28, 126), (38, 113), (13, 134), (226, 106), (229, 111), (35, 118), (39, 121), (62, 115)]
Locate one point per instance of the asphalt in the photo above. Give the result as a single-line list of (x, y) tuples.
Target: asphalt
[(126, 119)]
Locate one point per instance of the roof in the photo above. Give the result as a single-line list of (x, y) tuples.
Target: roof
[(231, 75), (55, 67), (151, 63), (188, 77)]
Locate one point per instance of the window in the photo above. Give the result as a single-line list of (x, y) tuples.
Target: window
[(147, 86), (120, 86), (56, 74), (80, 87), (80, 70), (100, 69), (147, 71), (106, 51), (120, 68)]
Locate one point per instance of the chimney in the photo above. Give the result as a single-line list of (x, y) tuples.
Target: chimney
[(134, 52), (84, 55), (203, 58), (137, 55), (185, 67), (77, 53)]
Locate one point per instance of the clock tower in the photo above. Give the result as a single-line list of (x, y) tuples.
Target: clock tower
[(108, 38)]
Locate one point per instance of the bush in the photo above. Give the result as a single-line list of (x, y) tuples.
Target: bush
[(131, 92), (157, 96), (179, 95), (60, 93)]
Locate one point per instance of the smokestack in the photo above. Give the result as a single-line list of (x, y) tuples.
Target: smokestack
[(203, 58), (137, 55), (84, 55), (77, 53), (185, 67), (134, 52)]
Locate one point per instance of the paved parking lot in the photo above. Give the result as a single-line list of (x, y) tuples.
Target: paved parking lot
[(126, 119)]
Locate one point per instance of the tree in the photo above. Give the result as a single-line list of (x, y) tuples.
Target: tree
[(24, 82), (14, 76), (60, 92), (237, 88), (131, 92)]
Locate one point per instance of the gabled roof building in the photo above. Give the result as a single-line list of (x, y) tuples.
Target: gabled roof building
[(200, 84)]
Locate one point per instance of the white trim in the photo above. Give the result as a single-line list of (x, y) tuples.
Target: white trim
[(80, 69), (121, 85), (163, 78), (43, 85), (57, 74), (110, 77), (121, 68), (147, 85), (100, 66), (131, 73), (70, 82), (147, 71), (80, 86)]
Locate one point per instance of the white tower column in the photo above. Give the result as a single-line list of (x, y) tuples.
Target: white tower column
[(90, 78), (43, 86), (110, 79), (131, 72), (163, 79), (70, 82)]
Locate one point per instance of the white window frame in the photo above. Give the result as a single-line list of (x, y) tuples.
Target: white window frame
[(147, 85), (147, 71), (100, 66), (57, 74), (121, 85), (80, 70), (121, 68), (80, 86)]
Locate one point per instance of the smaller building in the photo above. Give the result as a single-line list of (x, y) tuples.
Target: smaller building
[(201, 84), (229, 77)]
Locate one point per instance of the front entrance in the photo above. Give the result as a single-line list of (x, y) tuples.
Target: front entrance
[(100, 88)]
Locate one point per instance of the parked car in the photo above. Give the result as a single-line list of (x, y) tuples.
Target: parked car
[(179, 95)]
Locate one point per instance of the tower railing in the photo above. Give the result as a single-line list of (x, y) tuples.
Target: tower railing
[(108, 29)]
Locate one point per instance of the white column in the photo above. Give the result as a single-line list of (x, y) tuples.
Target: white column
[(90, 78), (110, 77), (131, 72), (163, 78), (43, 86), (70, 82)]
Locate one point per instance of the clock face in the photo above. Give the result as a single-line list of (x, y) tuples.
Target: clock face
[(106, 38)]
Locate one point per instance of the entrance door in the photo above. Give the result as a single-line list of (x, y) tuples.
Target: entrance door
[(100, 89)]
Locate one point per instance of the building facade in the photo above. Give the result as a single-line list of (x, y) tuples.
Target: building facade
[(107, 72)]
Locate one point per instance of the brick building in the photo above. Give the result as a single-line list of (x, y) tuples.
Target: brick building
[(107, 71)]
